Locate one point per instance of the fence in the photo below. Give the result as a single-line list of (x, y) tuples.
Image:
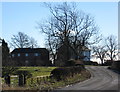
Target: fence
[(39, 80), (14, 81)]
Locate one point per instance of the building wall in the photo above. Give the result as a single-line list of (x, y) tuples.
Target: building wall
[(87, 55), (31, 59)]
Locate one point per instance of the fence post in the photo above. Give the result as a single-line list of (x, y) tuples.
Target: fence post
[(47, 77), (38, 81), (31, 80), (7, 80), (21, 80), (24, 79)]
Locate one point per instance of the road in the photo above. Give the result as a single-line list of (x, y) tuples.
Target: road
[(101, 79)]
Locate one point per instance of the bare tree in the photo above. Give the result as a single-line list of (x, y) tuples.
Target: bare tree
[(72, 27), (0, 41), (100, 52), (112, 47), (52, 45), (21, 40), (32, 42), (107, 51)]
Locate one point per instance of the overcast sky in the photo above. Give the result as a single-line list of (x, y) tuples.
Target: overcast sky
[(22, 16)]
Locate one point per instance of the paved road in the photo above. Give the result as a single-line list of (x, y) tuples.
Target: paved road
[(102, 79)]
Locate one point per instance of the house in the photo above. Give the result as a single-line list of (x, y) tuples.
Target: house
[(66, 53), (86, 53), (30, 56)]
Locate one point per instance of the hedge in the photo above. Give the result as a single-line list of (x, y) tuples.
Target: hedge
[(63, 72), (116, 65)]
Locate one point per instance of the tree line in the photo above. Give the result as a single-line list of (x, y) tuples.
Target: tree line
[(72, 28)]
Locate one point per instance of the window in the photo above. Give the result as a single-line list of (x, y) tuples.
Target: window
[(36, 54), (13, 55), (18, 54), (26, 54)]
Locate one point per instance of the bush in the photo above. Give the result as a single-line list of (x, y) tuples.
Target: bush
[(90, 63), (109, 67), (58, 73), (70, 63), (108, 63), (94, 63), (64, 72), (116, 65)]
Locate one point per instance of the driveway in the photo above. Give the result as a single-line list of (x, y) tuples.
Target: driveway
[(102, 80)]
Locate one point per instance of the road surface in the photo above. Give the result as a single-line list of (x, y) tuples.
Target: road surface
[(102, 79)]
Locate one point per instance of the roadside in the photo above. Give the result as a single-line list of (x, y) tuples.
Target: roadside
[(102, 79)]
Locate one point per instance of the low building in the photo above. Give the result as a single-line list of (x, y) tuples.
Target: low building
[(30, 56)]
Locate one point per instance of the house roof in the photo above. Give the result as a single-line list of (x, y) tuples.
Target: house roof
[(29, 50)]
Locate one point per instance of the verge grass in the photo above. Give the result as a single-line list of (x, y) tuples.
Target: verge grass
[(38, 71)]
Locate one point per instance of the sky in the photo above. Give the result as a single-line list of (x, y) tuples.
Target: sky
[(23, 17)]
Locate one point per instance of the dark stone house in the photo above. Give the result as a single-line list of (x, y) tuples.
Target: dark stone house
[(30, 56)]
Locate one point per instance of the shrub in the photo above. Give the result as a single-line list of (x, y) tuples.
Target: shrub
[(108, 63), (64, 72), (94, 63), (70, 63), (88, 62), (116, 65), (59, 73)]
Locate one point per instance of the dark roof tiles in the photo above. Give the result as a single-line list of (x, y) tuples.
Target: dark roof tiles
[(29, 50)]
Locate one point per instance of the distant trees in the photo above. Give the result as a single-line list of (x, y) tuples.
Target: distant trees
[(0, 41), (52, 44), (100, 52), (112, 47), (108, 50), (6, 57), (5, 53), (7, 65), (21, 40), (70, 27)]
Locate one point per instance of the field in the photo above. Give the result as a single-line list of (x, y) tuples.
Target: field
[(38, 71)]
